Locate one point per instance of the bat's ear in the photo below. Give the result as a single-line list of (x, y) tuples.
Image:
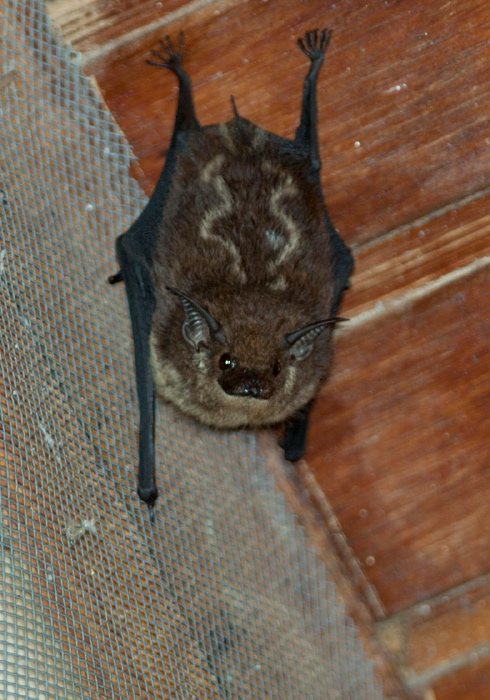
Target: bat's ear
[(300, 342), (199, 326)]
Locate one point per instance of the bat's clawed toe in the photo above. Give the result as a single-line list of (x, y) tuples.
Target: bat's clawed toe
[(169, 56), (325, 37), (315, 43)]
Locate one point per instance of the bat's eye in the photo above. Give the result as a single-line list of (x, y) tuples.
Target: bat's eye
[(277, 368), (226, 362)]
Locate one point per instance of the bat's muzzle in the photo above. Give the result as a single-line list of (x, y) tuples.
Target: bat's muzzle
[(246, 382)]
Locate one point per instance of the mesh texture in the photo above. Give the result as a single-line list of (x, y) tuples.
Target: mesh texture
[(220, 597)]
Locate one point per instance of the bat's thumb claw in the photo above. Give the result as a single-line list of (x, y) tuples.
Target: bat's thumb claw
[(114, 279)]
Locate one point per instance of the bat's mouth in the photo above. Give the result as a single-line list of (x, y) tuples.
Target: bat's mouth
[(246, 382)]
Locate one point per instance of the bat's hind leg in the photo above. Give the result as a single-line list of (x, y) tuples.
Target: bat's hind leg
[(171, 58), (314, 44), (295, 431)]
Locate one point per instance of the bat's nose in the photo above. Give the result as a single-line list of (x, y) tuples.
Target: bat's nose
[(253, 389), (245, 382)]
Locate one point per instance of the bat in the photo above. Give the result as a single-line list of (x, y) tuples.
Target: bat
[(234, 272)]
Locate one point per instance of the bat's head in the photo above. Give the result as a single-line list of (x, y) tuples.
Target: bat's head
[(230, 366)]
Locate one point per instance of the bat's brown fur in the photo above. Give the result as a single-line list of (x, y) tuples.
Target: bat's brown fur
[(244, 235)]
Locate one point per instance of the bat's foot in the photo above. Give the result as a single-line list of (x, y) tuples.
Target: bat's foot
[(294, 440), (169, 57), (114, 279), (315, 43), (149, 496), (292, 452)]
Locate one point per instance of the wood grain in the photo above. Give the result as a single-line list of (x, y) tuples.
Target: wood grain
[(411, 260), (444, 634), (398, 443), (469, 682), (403, 96), (92, 25)]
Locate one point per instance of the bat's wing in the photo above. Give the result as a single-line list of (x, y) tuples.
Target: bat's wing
[(314, 45), (135, 253)]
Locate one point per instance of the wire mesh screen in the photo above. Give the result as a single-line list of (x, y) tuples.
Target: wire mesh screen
[(220, 597)]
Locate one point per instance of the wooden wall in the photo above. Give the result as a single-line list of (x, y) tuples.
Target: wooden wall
[(398, 462)]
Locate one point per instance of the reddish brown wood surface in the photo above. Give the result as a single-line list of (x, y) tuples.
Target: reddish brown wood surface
[(397, 442), (91, 25), (402, 95), (471, 681), (399, 438), (415, 258), (442, 636)]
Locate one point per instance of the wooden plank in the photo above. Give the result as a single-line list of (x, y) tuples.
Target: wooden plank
[(411, 260), (444, 635), (390, 275), (399, 443), (471, 682), (310, 518), (92, 24), (395, 95)]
